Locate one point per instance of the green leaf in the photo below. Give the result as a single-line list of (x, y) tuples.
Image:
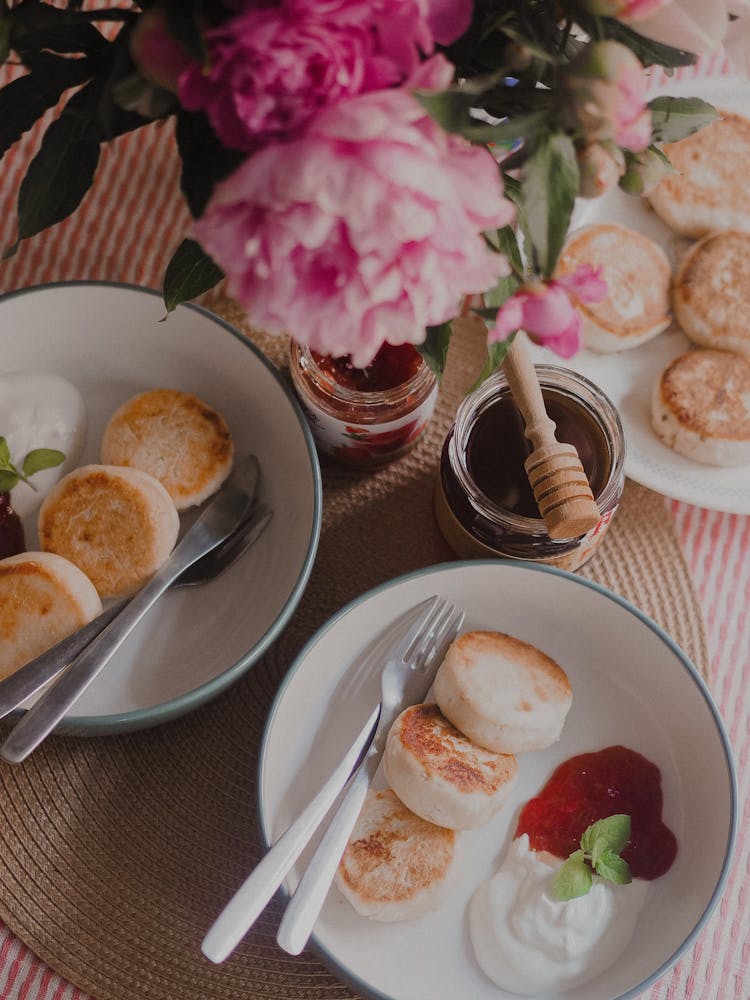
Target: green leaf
[(5, 26), (549, 185), (4, 453), (674, 118), (495, 356), (613, 868), (190, 272), (505, 241), (434, 348), (204, 160), (609, 834), (7, 480), (24, 100), (42, 458), (62, 171), (573, 878)]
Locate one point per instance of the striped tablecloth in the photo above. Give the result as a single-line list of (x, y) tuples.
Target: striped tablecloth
[(126, 231)]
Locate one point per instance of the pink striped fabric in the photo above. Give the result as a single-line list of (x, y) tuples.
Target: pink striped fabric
[(126, 230)]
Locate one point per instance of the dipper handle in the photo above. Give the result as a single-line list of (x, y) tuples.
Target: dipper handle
[(557, 477)]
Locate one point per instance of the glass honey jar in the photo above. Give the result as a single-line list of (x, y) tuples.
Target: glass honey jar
[(365, 417), (483, 501)]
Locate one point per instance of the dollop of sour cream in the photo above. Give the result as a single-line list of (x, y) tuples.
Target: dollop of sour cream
[(40, 410), (529, 942)]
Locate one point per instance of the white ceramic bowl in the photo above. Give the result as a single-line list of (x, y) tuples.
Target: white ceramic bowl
[(109, 341), (631, 685)]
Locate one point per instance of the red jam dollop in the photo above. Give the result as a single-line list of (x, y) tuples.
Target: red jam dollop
[(392, 366), (12, 539), (593, 786)]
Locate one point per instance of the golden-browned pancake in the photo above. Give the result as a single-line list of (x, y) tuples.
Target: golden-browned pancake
[(502, 693), (441, 775), (174, 436), (701, 407), (711, 292), (396, 865), (118, 525), (43, 598), (709, 189), (637, 274)]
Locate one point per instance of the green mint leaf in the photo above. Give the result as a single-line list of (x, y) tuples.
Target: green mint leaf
[(4, 454), (573, 878), (613, 868), (189, 273), (609, 834), (41, 458), (674, 118), (8, 480)]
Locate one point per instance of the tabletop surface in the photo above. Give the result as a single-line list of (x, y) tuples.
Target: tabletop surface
[(114, 236)]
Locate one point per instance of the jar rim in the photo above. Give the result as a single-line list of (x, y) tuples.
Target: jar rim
[(423, 376), (564, 380)]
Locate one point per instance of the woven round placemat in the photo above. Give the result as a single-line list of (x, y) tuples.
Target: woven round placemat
[(117, 852)]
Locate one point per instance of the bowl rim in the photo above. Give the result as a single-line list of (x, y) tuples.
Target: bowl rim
[(154, 715), (351, 979)]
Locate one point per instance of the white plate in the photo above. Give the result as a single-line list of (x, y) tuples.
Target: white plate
[(628, 377), (631, 685), (108, 340)]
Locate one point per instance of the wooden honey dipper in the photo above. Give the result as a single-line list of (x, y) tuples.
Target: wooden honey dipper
[(557, 477)]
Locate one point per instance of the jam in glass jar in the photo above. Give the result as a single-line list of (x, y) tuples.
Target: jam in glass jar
[(365, 416), (483, 501)]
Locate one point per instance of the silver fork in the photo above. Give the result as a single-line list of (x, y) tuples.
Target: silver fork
[(405, 681), (32, 676), (411, 664)]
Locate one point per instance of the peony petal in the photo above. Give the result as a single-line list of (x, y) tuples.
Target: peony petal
[(585, 283), (510, 317)]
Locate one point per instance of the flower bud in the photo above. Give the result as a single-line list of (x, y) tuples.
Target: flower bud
[(157, 54), (606, 87), (644, 170), (627, 9), (600, 166)]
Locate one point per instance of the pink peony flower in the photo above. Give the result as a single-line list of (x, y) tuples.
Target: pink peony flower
[(367, 228), (273, 67), (545, 310), (607, 87), (695, 25)]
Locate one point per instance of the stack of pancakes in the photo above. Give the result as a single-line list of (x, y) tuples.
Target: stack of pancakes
[(451, 766), (104, 530), (701, 401)]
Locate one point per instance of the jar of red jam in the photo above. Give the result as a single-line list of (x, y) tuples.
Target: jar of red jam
[(365, 416), (483, 501)]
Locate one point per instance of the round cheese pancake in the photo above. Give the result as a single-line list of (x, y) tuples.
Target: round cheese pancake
[(711, 292), (118, 525), (504, 694), (708, 189), (441, 775), (396, 865), (43, 599), (637, 272), (701, 407), (174, 436)]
